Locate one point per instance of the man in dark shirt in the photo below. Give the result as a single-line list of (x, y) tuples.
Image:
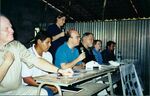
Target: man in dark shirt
[(108, 53), (86, 46)]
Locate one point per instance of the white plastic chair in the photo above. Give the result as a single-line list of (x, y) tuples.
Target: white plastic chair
[(130, 82)]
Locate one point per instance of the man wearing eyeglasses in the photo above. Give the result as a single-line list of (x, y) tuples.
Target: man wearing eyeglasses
[(67, 56)]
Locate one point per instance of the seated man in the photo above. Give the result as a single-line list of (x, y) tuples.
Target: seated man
[(86, 46), (108, 53), (12, 53), (67, 56), (97, 51), (39, 49)]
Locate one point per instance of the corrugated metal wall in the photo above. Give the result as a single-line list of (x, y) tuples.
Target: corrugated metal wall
[(132, 38)]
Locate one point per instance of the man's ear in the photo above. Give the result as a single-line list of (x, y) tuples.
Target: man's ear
[(39, 41), (84, 38)]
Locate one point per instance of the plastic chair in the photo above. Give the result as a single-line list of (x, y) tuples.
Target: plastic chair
[(130, 82)]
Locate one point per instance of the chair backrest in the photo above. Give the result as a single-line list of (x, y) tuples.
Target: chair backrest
[(130, 82)]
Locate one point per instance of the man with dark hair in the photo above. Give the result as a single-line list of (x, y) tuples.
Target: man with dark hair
[(108, 53), (86, 46), (12, 53), (67, 56), (40, 49)]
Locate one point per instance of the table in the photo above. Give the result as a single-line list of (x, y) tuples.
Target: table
[(79, 76)]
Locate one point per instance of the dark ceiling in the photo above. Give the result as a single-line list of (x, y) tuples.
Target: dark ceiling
[(83, 10), (80, 10), (25, 15)]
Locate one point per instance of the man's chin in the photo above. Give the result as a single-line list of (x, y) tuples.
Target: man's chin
[(11, 39), (90, 45)]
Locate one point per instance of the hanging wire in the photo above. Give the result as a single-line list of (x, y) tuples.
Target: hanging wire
[(133, 6), (52, 6), (103, 11), (55, 8)]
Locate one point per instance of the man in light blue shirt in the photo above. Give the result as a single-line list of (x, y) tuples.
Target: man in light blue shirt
[(67, 56)]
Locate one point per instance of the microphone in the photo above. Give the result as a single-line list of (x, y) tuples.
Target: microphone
[(81, 49), (63, 29)]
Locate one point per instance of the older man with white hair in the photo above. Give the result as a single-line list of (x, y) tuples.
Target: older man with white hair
[(86, 45), (12, 53)]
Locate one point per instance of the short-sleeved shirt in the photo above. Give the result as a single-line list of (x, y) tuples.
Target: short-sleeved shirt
[(98, 56), (12, 79), (34, 71), (53, 30), (65, 54)]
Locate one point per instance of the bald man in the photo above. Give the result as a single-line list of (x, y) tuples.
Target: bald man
[(67, 56)]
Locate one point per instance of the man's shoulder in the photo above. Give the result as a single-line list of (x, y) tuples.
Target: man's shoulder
[(14, 43), (47, 53), (63, 46)]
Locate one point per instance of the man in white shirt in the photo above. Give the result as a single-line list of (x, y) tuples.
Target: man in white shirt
[(40, 49)]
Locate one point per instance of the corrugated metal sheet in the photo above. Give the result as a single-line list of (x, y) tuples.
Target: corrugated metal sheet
[(132, 38)]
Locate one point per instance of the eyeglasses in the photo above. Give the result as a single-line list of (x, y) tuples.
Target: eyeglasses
[(76, 37)]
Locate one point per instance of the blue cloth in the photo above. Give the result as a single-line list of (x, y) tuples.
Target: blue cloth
[(65, 55), (49, 91), (98, 56)]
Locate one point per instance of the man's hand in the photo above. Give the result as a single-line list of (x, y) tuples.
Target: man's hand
[(66, 72), (8, 57), (81, 56), (83, 65)]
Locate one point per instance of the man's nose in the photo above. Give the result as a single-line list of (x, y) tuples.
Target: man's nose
[(11, 30)]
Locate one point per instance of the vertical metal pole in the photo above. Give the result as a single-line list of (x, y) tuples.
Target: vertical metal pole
[(110, 84)]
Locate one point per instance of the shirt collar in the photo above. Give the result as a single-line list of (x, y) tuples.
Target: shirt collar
[(2, 47), (34, 50)]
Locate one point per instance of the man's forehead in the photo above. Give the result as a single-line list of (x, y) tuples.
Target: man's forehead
[(112, 45), (89, 36), (2, 18), (4, 21), (74, 32)]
